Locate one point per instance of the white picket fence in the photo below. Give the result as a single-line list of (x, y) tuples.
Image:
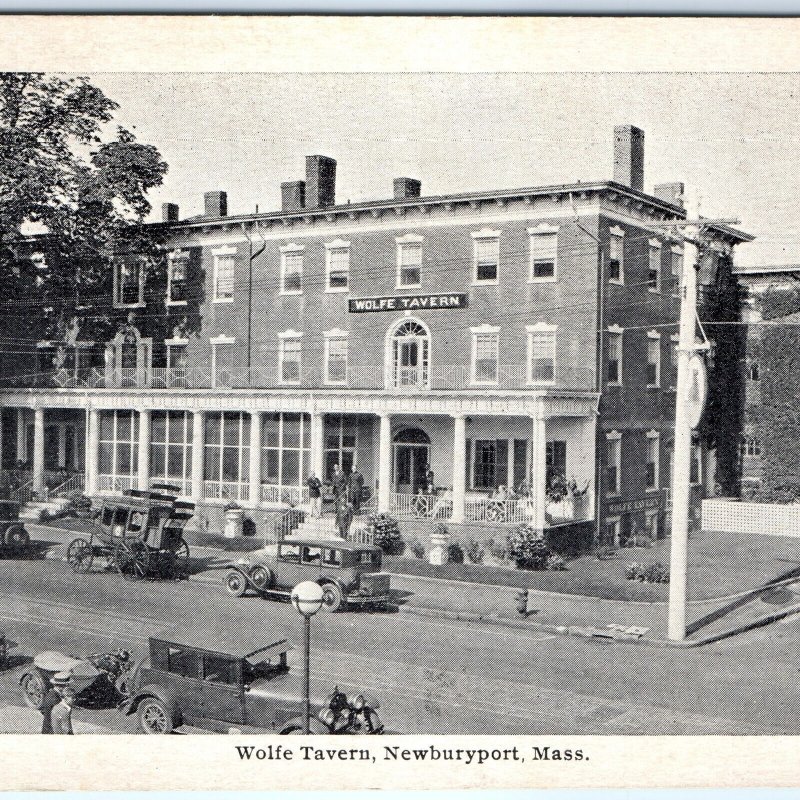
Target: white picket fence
[(766, 518)]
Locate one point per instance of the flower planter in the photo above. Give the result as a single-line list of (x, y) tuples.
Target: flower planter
[(234, 522), (438, 552)]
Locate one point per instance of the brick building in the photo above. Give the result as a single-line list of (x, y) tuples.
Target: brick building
[(478, 333)]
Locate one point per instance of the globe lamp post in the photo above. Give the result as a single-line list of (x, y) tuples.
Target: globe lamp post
[(307, 599)]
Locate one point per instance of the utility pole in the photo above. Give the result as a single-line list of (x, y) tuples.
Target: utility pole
[(683, 434)]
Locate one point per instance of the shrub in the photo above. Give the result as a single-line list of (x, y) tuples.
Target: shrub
[(526, 548), (475, 552), (497, 550), (556, 563), (455, 553), (385, 532), (78, 504), (654, 573), (417, 548)]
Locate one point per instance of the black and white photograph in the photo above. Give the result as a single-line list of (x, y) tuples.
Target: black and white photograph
[(399, 403)]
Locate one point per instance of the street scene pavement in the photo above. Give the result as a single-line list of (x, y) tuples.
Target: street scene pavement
[(432, 674)]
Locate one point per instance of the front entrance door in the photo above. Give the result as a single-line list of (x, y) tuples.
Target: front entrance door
[(51, 448), (409, 467)]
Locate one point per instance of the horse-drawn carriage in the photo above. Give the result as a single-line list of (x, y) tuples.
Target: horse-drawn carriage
[(139, 534)]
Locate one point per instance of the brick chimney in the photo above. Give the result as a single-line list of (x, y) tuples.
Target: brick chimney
[(670, 193), (320, 181), (406, 187), (216, 204), (293, 195), (169, 212), (629, 156)]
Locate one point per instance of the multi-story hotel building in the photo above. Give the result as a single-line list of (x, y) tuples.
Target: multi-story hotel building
[(487, 334)]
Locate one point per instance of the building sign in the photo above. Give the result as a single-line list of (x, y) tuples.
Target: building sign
[(413, 302), (642, 504)]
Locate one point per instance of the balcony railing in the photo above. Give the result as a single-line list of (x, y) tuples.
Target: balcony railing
[(438, 377)]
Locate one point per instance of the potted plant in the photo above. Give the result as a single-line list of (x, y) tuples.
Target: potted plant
[(575, 499), (234, 520)]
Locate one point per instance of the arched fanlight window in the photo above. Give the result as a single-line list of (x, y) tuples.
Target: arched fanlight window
[(409, 352)]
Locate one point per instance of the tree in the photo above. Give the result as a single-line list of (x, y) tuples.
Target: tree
[(85, 194)]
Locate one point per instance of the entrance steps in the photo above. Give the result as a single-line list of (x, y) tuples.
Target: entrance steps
[(323, 528)]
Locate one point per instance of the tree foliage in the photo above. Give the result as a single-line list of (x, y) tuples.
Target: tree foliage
[(81, 193)]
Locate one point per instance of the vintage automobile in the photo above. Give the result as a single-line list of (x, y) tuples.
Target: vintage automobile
[(225, 681), (349, 573), (14, 539)]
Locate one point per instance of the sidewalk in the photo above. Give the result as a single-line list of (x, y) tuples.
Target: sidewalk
[(555, 613)]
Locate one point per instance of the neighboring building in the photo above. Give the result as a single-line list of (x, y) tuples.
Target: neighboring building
[(477, 333), (770, 294)]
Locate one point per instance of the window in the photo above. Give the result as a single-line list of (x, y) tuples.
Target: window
[(176, 364), (654, 266), (651, 468), (183, 662), (753, 371), (222, 361), (653, 359), (487, 256), (544, 239), (290, 349), (485, 354), (336, 348), (616, 264), (408, 356), (223, 274), (311, 555), (541, 353), (177, 270), (217, 669), (750, 447), (171, 448), (613, 462), (612, 530), (292, 269), (615, 356), (556, 457), (227, 448), (332, 558), (119, 444), (128, 281), (490, 463), (285, 454), (676, 266), (337, 266), (409, 260), (289, 552), (341, 441)]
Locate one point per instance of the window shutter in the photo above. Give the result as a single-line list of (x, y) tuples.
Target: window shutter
[(501, 462), (468, 464)]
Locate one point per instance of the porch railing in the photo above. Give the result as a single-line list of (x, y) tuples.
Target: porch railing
[(273, 493), (116, 483), (75, 483), (437, 377), (361, 536), (23, 493), (226, 490)]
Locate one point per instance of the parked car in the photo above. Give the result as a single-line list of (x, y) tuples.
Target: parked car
[(14, 539), (348, 572), (222, 681)]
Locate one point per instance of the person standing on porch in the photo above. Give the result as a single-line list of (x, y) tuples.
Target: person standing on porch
[(339, 482), (315, 494), (355, 485), (429, 482)]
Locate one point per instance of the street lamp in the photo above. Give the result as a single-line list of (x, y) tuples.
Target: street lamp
[(307, 599)]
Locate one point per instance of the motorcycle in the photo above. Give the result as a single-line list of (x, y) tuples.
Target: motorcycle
[(100, 679), (358, 716)]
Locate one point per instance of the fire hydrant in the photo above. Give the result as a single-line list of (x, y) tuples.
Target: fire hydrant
[(522, 601)]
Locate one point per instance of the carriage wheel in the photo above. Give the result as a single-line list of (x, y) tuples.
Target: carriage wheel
[(132, 559), (80, 555), (181, 556)]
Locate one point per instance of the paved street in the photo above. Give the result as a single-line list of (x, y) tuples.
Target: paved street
[(432, 676)]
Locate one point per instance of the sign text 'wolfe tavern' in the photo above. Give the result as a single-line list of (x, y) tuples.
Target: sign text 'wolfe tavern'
[(408, 303)]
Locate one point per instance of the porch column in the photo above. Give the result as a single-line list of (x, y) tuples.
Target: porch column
[(318, 444), (255, 457), (38, 450), (589, 429), (21, 438), (538, 468), (93, 448), (198, 447), (459, 466), (384, 463), (143, 464)]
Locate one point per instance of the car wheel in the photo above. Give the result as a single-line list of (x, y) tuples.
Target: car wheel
[(154, 717), (235, 584), (34, 689), (332, 598), (261, 578), (17, 538)]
